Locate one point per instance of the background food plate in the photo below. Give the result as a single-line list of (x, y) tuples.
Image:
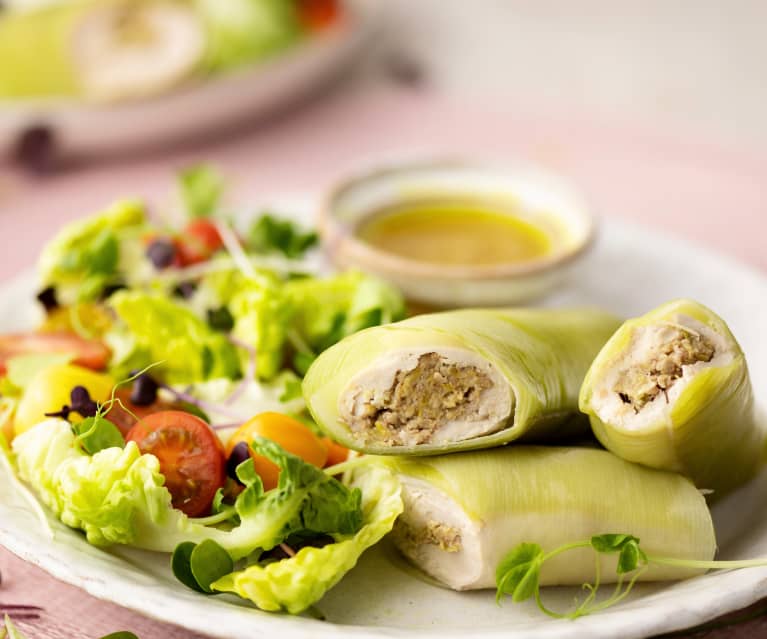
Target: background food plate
[(630, 271), (215, 102)]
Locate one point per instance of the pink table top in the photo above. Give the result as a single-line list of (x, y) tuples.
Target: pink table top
[(707, 193)]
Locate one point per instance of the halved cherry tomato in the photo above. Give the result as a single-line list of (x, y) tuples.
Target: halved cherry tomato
[(318, 14), (198, 242), (191, 457), (123, 419), (336, 452), (89, 353), (289, 433)]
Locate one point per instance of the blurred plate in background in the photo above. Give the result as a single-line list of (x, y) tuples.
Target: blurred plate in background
[(215, 103)]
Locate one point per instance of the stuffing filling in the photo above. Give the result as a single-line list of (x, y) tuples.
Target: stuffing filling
[(641, 383), (419, 402), (434, 533)]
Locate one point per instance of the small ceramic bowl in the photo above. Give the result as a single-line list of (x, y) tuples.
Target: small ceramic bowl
[(538, 196)]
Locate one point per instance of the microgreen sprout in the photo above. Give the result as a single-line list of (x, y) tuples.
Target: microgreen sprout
[(518, 573)]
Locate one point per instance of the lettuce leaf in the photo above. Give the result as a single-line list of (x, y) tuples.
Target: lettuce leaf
[(296, 583), (262, 316), (330, 309), (157, 329), (299, 316), (118, 495), (85, 256)]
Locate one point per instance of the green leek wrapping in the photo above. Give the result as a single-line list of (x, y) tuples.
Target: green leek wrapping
[(465, 512), (458, 380), (699, 420)]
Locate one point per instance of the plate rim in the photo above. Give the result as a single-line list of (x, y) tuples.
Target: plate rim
[(734, 589)]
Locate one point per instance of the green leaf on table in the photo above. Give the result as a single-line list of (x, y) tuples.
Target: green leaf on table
[(519, 571), (123, 634)]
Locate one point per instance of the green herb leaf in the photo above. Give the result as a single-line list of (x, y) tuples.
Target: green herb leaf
[(269, 234), (611, 542), (181, 565), (209, 562), (519, 571), (630, 554), (199, 565), (220, 319), (97, 433), (201, 188)]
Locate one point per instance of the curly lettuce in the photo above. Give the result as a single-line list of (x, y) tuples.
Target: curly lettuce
[(296, 583), (117, 496), (155, 328), (90, 254), (299, 318)]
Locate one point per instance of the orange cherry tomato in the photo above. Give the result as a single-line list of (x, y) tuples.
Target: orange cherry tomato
[(88, 353), (336, 452), (198, 242), (191, 457), (289, 433)]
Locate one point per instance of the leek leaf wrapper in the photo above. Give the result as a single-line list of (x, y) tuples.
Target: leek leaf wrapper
[(118, 495), (464, 513), (671, 390), (457, 380)]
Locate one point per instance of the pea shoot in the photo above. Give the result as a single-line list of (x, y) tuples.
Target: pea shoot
[(518, 573)]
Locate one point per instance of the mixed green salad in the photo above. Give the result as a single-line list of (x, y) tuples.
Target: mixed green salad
[(112, 50), (159, 403)]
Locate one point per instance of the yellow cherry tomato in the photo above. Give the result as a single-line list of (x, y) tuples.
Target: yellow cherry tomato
[(7, 409), (289, 433), (49, 391)]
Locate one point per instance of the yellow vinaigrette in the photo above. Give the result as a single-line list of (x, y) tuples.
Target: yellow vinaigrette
[(456, 233)]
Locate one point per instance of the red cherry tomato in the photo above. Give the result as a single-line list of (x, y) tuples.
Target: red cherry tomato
[(87, 352), (191, 457), (318, 14), (198, 242), (124, 419)]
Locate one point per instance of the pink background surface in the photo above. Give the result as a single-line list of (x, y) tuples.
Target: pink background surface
[(712, 195)]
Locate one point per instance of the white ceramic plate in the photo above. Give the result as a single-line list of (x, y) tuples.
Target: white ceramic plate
[(217, 102), (630, 271)]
